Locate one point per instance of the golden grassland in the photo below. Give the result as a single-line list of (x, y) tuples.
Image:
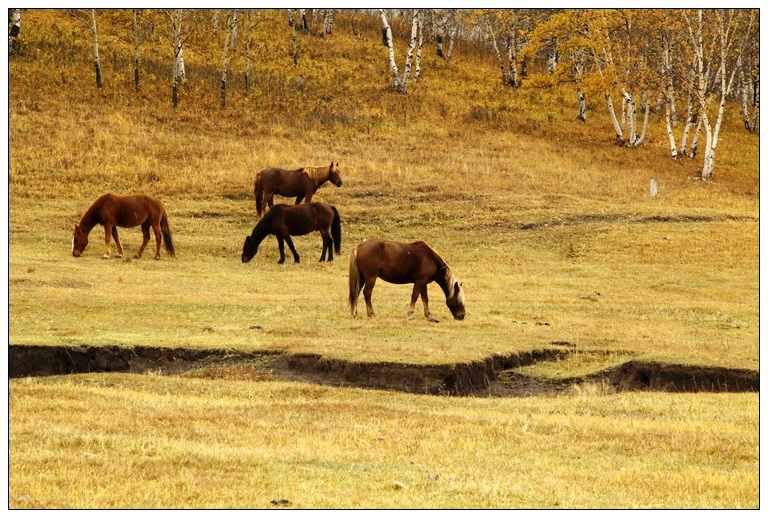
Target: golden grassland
[(544, 218), (115, 441)]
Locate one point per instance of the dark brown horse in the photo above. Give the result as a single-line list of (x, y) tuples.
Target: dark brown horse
[(402, 263), (301, 183), (284, 221), (124, 211)]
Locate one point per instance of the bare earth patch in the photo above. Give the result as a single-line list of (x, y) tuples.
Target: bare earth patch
[(492, 377)]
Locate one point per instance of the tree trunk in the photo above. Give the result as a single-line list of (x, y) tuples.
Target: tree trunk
[(504, 76), (639, 142), (96, 61), (216, 21), (292, 23), (303, 19), (387, 33), (670, 134), (409, 57), (178, 59), (248, 54), (582, 114), (16, 27), (418, 55), (136, 44), (612, 114), (233, 30), (227, 36), (328, 22)]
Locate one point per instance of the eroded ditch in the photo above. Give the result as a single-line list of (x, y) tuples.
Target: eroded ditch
[(492, 377)]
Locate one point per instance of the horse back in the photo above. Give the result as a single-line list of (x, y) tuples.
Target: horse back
[(130, 211), (397, 263), (285, 182)]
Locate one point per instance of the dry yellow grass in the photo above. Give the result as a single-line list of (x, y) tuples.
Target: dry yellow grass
[(116, 441)]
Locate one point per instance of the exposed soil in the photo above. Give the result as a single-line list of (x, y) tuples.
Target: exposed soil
[(492, 377)]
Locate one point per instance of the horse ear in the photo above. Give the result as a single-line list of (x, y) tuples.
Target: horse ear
[(456, 287)]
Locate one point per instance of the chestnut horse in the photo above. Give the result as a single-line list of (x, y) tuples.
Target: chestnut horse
[(301, 183), (402, 263), (284, 221), (124, 211)]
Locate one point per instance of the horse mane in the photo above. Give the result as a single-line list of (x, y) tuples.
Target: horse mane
[(447, 280), (261, 230), (91, 216), (318, 174)]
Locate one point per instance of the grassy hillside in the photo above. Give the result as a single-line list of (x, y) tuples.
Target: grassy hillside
[(543, 217)]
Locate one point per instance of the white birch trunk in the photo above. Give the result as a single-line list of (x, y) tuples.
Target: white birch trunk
[(388, 36), (639, 142), (233, 35), (216, 21), (504, 77), (227, 36), (178, 59), (96, 61), (612, 114), (248, 53), (328, 22), (450, 43), (418, 55), (136, 44), (670, 134), (411, 47), (16, 26)]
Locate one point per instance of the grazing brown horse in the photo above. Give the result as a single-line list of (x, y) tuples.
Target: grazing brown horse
[(284, 221), (301, 183), (402, 263), (124, 211)]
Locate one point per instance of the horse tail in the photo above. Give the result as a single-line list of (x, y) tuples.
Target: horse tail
[(354, 282), (336, 230), (258, 192), (166, 229)]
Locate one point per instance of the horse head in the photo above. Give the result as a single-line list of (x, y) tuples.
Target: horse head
[(250, 247), (455, 298), (79, 241), (334, 174)]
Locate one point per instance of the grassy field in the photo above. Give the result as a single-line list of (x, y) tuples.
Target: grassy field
[(546, 221)]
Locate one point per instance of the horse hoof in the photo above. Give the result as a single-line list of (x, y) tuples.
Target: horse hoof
[(105, 258), (157, 258), (119, 256), (137, 256), (432, 319)]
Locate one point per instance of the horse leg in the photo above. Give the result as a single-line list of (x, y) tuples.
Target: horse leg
[(117, 242), (425, 301), (282, 250), (367, 292), (327, 245), (299, 198), (158, 238), (293, 249), (107, 235), (145, 239), (266, 200)]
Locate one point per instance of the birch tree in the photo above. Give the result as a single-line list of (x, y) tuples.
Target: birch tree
[(88, 16), (328, 22), (400, 83), (718, 38), (228, 30), (14, 19)]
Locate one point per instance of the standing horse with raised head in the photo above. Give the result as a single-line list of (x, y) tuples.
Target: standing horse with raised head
[(402, 263), (124, 211), (284, 221), (300, 183)]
